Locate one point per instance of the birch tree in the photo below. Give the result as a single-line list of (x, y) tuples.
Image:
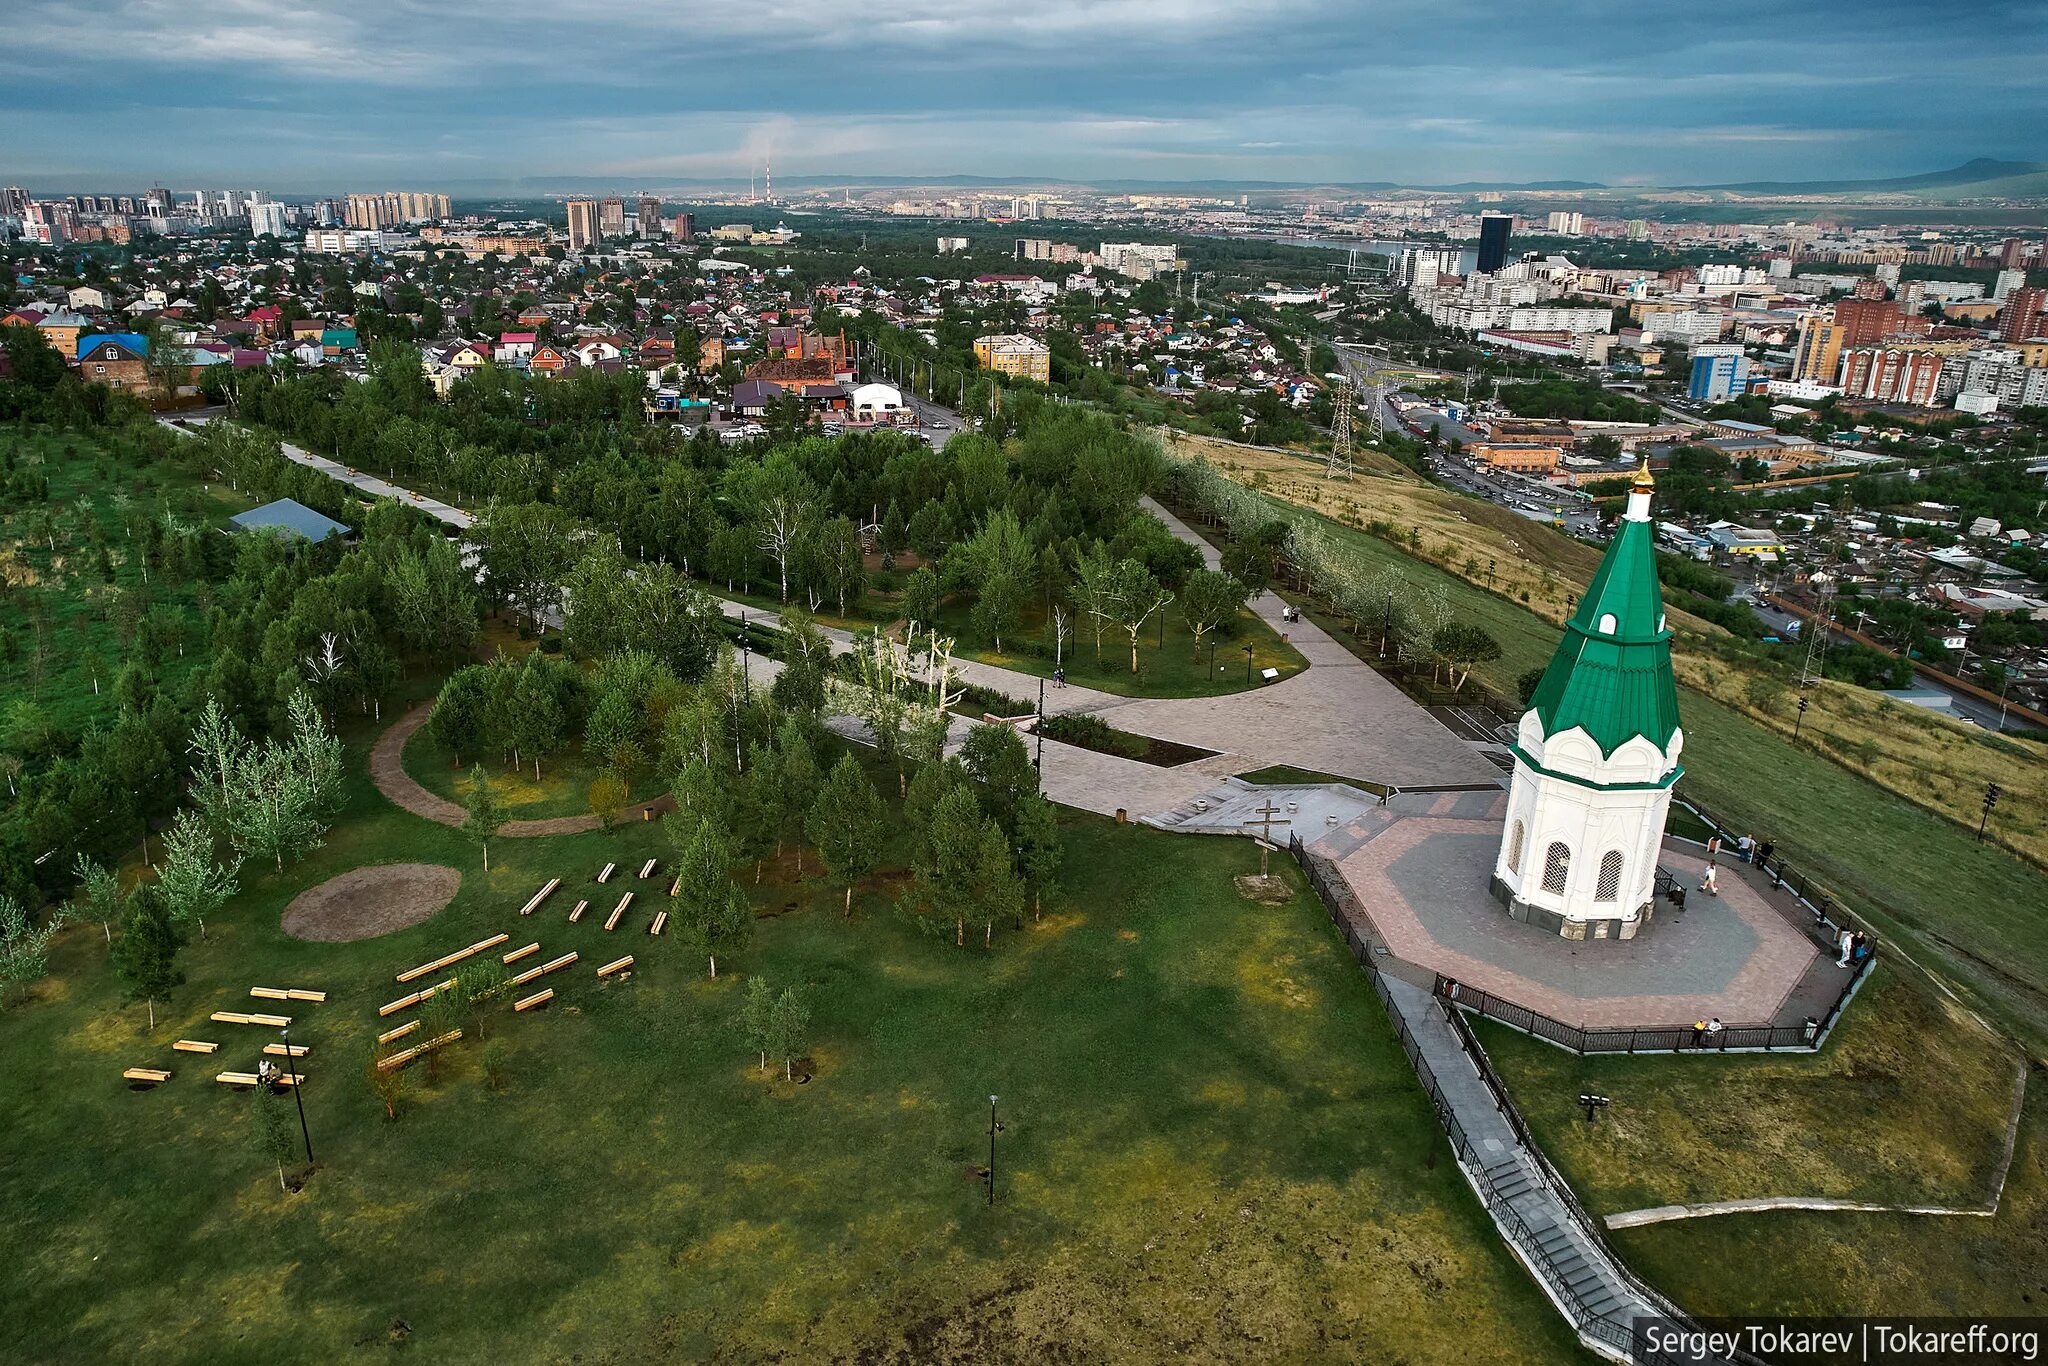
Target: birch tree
[(193, 885)]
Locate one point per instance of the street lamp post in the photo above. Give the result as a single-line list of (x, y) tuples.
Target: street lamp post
[(746, 662), (1247, 666), (1038, 760), (291, 1061), (994, 1128)]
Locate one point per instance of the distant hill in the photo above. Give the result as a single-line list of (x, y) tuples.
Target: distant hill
[(1981, 178)]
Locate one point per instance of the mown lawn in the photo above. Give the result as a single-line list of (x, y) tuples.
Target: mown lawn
[(1906, 1104), (1798, 1263), (1213, 1147)]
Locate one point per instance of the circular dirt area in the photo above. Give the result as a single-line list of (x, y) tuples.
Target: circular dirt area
[(366, 902)]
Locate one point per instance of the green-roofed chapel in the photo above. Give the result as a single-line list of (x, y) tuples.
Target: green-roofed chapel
[(1597, 752)]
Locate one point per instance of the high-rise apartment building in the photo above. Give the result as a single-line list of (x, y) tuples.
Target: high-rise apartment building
[(13, 201), (584, 225), (267, 218), (1818, 358), (611, 216), (647, 216), (1494, 229), (1567, 224), (2020, 320), (2005, 283), (683, 227), (1865, 320), (2014, 254)]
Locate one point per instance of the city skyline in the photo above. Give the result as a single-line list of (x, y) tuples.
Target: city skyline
[(1302, 92)]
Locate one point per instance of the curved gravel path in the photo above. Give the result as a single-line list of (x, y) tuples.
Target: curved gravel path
[(387, 770)]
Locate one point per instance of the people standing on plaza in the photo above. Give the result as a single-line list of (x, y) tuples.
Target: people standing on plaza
[(1747, 848), (1059, 677), (1699, 1032), (1848, 946), (1714, 1028), (1764, 852)]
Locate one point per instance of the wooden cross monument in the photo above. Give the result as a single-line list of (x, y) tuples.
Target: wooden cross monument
[(1266, 814)]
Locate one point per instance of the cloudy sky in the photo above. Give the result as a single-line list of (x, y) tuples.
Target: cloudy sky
[(325, 95)]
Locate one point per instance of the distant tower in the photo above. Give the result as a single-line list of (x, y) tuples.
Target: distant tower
[(768, 175), (1340, 431), (1493, 241), (1597, 752)]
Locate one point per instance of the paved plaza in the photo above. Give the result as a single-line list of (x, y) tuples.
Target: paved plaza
[(1420, 868)]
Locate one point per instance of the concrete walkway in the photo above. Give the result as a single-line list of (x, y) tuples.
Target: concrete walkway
[(1595, 1294)]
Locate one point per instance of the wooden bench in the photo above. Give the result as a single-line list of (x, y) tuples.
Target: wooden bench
[(676, 886), (456, 957), (611, 922), (647, 870), (152, 1075), (393, 1007), (278, 1050), (544, 969), (660, 922), (542, 895), (288, 994), (195, 1046), (615, 965), (388, 1035), (401, 1058), (509, 959), (539, 998), (577, 914), (237, 1017), (251, 1079), (606, 875)]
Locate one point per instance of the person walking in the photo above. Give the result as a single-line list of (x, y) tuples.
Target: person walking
[(1707, 882), (1848, 946)]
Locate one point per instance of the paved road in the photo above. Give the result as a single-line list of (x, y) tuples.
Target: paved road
[(368, 483)]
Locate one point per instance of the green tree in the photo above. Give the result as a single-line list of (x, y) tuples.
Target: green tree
[(997, 760), (194, 886), (607, 797), (146, 955), (1209, 601), (711, 908), (964, 869), (921, 596), (797, 779), (479, 985), (1462, 646), (1038, 847), (459, 718), (485, 812), (757, 1018), (270, 1131), (24, 948), (99, 893), (790, 1029), (997, 560), (846, 823)]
